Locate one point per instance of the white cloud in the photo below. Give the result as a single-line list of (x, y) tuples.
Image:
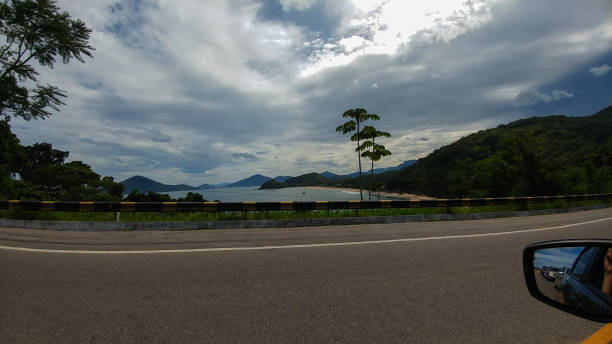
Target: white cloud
[(384, 27), (505, 92), (531, 97), (601, 70), (296, 5), (560, 94)]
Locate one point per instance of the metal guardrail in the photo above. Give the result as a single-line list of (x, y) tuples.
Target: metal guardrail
[(279, 206)]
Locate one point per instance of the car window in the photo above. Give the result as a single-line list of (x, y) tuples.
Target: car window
[(584, 262)]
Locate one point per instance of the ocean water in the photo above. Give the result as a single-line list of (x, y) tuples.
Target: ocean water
[(252, 194)]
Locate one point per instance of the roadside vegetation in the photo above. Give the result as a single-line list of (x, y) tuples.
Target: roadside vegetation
[(271, 215)]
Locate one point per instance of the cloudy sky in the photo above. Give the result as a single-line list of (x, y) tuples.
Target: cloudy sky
[(212, 91)]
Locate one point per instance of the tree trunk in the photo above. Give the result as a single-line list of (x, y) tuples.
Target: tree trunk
[(359, 157), (372, 169)]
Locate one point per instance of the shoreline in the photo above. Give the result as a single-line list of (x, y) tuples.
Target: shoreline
[(386, 193)]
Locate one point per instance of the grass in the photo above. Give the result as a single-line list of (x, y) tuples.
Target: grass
[(268, 215)]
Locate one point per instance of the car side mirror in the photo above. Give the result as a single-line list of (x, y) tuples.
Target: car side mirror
[(574, 276)]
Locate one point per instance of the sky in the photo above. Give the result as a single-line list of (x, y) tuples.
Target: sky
[(214, 91), (556, 257)]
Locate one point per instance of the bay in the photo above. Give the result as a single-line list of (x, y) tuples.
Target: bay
[(298, 194)]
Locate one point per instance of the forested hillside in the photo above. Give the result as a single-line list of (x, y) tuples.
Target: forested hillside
[(534, 156), (303, 180), (143, 184)]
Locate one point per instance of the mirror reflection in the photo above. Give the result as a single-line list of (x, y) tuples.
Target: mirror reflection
[(578, 276)]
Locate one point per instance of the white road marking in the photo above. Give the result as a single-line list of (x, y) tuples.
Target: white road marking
[(259, 248)]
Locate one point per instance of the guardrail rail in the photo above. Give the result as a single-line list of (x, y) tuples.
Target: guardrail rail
[(280, 206)]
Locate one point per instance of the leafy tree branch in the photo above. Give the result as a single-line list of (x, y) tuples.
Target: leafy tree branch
[(36, 30)]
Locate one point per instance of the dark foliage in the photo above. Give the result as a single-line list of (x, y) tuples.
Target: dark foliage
[(143, 184), (39, 172), (35, 33), (192, 197), (303, 180), (150, 196), (535, 156), (273, 184)]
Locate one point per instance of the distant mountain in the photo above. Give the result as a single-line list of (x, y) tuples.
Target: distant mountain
[(144, 184), (272, 184), (325, 178), (330, 175), (381, 170), (365, 170), (258, 179), (308, 179), (254, 180), (400, 166)]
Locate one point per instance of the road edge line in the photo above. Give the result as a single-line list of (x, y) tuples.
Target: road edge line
[(601, 336), (261, 248)]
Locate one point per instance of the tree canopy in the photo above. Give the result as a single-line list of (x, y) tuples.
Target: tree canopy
[(35, 31), (39, 172), (357, 116), (376, 151), (551, 155)]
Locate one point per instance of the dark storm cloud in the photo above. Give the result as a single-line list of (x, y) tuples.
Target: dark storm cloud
[(322, 18), (247, 156), (128, 22), (128, 16), (133, 158)]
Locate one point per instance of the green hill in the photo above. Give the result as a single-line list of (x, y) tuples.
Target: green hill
[(303, 180), (144, 184), (254, 180), (534, 156)]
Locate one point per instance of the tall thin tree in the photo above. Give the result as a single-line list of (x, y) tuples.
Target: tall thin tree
[(356, 116), (376, 152)]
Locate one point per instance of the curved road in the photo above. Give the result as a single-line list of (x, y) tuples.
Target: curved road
[(410, 282)]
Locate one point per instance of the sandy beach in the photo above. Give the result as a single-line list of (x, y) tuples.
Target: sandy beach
[(365, 192)]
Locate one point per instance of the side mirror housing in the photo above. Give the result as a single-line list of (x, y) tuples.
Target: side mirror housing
[(574, 276)]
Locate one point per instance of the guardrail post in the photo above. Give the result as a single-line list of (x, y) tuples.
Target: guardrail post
[(242, 209)]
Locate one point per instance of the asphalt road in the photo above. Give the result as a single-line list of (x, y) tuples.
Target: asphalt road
[(548, 288), (285, 285)]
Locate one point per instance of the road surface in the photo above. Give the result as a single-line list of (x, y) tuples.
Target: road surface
[(435, 282)]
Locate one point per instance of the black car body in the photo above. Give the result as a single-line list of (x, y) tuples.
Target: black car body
[(580, 285)]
